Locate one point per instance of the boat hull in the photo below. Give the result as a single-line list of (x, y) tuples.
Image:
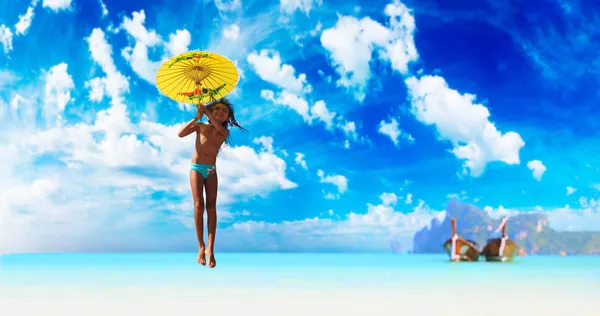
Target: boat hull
[(466, 250), (491, 251)]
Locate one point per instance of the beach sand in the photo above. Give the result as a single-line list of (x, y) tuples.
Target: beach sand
[(290, 301)]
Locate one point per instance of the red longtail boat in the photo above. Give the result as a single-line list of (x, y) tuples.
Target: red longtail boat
[(460, 249)]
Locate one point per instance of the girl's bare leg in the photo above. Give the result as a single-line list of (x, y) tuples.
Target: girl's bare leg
[(197, 183), (211, 186)]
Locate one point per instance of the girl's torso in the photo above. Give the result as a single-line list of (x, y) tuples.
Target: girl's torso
[(208, 143)]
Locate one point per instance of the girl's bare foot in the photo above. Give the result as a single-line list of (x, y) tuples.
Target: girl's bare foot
[(201, 256), (211, 259)]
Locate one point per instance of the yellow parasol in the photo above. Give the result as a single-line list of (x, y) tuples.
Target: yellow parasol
[(197, 77)]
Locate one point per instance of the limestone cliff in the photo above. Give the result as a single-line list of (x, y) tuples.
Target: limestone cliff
[(530, 231)]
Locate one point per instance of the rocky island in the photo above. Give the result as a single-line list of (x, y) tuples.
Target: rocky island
[(529, 230)]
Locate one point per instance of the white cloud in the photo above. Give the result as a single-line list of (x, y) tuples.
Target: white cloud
[(17, 101), (270, 68), (6, 36), (59, 84), (319, 111), (291, 100), (385, 215), (456, 117), (570, 190), (584, 217), (324, 77), (266, 142), (25, 20), (381, 224), (352, 42), (458, 196), (137, 55), (339, 181), (96, 89), (462, 122), (300, 160), (145, 39), (231, 32), (392, 130), (409, 198), (121, 162), (475, 139), (289, 6), (7, 78), (389, 198), (268, 65), (300, 35), (103, 7), (538, 169), (349, 129), (178, 43), (56, 5), (330, 196), (245, 173), (228, 5)]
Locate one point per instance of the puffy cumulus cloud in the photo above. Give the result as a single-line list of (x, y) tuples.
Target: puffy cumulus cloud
[(113, 84), (59, 84), (392, 130), (56, 5), (373, 230), (353, 42), (585, 216), (144, 39), (571, 190), (102, 177), (266, 142), (339, 181), (537, 168), (25, 20), (463, 122), (294, 102), (6, 38), (301, 161), (268, 65), (130, 169)]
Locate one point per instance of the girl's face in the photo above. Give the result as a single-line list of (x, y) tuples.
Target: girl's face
[(221, 112)]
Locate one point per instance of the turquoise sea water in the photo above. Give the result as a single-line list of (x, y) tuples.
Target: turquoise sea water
[(291, 270)]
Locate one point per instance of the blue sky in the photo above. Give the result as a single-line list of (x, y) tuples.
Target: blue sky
[(364, 120)]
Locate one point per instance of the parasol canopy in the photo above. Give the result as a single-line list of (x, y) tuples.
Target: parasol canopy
[(197, 77)]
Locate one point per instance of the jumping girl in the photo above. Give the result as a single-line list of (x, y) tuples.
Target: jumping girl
[(203, 171)]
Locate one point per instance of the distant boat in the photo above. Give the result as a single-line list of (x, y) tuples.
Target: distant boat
[(460, 249), (500, 249)]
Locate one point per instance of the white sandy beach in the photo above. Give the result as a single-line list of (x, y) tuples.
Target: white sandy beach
[(415, 300)]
